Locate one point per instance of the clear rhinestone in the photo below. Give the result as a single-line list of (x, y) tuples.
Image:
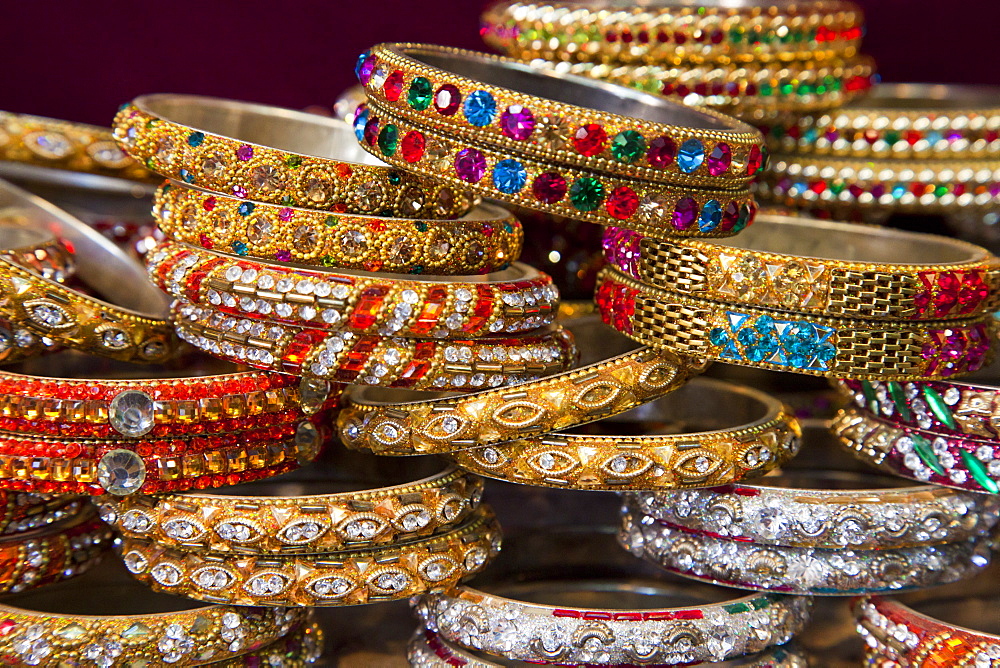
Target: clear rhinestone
[(131, 413), (121, 472)]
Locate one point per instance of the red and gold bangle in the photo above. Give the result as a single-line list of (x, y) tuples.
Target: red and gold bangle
[(256, 152), (345, 357), (673, 31), (486, 239), (349, 577), (516, 300), (76, 147)]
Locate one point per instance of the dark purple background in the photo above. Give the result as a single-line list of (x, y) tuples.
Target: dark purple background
[(80, 60)]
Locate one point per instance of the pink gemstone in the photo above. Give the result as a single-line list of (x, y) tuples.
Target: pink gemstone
[(371, 131), (720, 159), (239, 191), (517, 122), (878, 190), (730, 215), (685, 213), (6, 626), (621, 248), (283, 255), (285, 214), (661, 152), (470, 165), (447, 100), (244, 152), (366, 69)]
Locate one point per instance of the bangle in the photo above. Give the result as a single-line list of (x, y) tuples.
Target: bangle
[(26, 512), (135, 331), (36, 250), (793, 342), (299, 649), (254, 151), (407, 424), (77, 147), (900, 632), (962, 463), (800, 570), (509, 615), (900, 121), (215, 633), (503, 103), (568, 191), (331, 579), (345, 357), (756, 435), (486, 239), (517, 299), (265, 519), (809, 266), (671, 31)]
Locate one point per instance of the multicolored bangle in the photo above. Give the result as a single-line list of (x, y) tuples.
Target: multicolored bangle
[(206, 142), (486, 239), (518, 299), (808, 266), (671, 31), (330, 579), (894, 121), (512, 109), (749, 336)]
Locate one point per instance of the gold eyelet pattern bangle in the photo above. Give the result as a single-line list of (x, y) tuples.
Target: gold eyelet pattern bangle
[(393, 423), (673, 31), (205, 634), (739, 449), (332, 579), (345, 357), (894, 121), (75, 147), (567, 191), (749, 336), (518, 299), (810, 266), (203, 141), (485, 240), (495, 102), (35, 250), (300, 524)]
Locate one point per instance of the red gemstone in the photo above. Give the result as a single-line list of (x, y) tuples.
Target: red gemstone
[(371, 131), (549, 187), (661, 152), (590, 139), (912, 137), (412, 146), (720, 159), (730, 215), (622, 203), (973, 292), (393, 86), (754, 160), (856, 190), (818, 186), (208, 204), (447, 100)]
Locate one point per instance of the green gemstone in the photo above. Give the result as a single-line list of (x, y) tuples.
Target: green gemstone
[(926, 453), (735, 608), (331, 221), (586, 193), (766, 90), (786, 89), (777, 132), (870, 399), (941, 191), (329, 261), (628, 146), (421, 227), (891, 137), (736, 34), (837, 186), (395, 179), (938, 407), (899, 398), (388, 139), (978, 471), (293, 161), (420, 94)]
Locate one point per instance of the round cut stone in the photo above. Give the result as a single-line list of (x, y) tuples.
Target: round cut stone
[(393, 86), (307, 442), (131, 413), (420, 93), (622, 203), (517, 122), (412, 147), (590, 139), (754, 160), (628, 146), (480, 108), (509, 176), (685, 213), (121, 472), (313, 394), (266, 178), (690, 156), (720, 159), (549, 187), (447, 99), (470, 165), (661, 152), (388, 139), (115, 339), (586, 193), (711, 216)]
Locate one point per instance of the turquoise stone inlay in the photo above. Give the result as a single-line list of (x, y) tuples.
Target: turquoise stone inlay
[(797, 345)]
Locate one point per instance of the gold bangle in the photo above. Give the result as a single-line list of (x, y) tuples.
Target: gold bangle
[(485, 240), (900, 121), (332, 579), (518, 299), (808, 344), (36, 250), (345, 357), (568, 191), (259, 521), (205, 142), (403, 423), (671, 31), (811, 266), (21, 512), (299, 649), (512, 108), (76, 147), (758, 436)]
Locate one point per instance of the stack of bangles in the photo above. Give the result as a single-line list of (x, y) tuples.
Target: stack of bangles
[(808, 296), (815, 531), (906, 148), (759, 61)]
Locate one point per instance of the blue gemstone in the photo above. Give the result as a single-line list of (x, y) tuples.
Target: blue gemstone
[(899, 190), (933, 137), (245, 209), (718, 336), (509, 176), (711, 216), (239, 248), (757, 346), (187, 176), (196, 138), (358, 62), (799, 341), (359, 125), (690, 155), (480, 108), (810, 135), (764, 324)]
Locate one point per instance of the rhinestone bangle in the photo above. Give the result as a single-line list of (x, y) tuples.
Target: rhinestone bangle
[(748, 336), (306, 523), (204, 141), (407, 424), (808, 266), (345, 357), (299, 649), (331, 579), (486, 239), (564, 190), (959, 462), (517, 299), (670, 31), (800, 570), (25, 512)]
